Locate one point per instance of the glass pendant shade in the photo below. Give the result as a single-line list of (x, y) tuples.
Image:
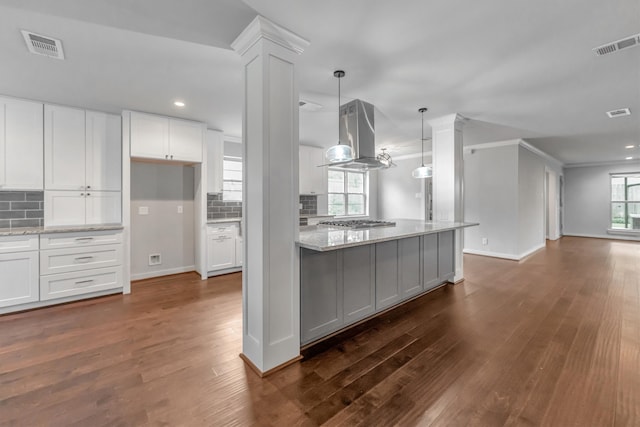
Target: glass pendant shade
[(339, 153), (422, 172)]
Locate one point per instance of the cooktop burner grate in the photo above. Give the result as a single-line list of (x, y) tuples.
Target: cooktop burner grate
[(358, 223)]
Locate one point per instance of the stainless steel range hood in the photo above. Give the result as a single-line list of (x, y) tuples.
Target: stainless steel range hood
[(357, 130)]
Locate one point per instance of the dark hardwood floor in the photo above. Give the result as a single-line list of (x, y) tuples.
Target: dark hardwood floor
[(552, 340)]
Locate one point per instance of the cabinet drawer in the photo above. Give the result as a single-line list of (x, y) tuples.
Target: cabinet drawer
[(80, 239), (18, 244), (222, 228), (78, 283), (75, 259)]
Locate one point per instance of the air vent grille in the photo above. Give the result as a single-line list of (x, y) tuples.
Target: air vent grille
[(617, 45), (619, 113), (43, 45)]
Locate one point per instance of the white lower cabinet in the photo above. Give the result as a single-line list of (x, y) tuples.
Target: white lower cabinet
[(19, 270), (223, 249), (239, 251), (79, 282), (73, 264)]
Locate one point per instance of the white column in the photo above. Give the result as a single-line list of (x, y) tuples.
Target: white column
[(271, 279), (448, 175)]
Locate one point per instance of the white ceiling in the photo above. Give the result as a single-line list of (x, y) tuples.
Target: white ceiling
[(516, 69)]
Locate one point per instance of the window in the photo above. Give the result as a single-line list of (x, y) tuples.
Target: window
[(232, 179), (347, 193), (625, 201)]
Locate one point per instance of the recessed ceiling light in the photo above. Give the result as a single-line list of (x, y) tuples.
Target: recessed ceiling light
[(178, 103), (629, 146), (628, 158)]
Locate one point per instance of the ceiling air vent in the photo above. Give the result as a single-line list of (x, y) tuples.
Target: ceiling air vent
[(43, 45), (618, 45), (619, 113)]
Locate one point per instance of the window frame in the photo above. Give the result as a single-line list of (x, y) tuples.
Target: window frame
[(626, 202), (345, 192), (224, 180)]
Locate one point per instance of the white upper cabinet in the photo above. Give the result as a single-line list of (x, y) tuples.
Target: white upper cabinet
[(185, 140), (64, 148), (215, 158), (165, 138), (149, 136), (21, 147), (103, 151), (82, 150), (313, 179), (82, 207)]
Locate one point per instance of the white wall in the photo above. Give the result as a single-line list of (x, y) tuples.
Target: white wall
[(491, 198), (531, 203), (587, 199), (397, 191), (162, 188)]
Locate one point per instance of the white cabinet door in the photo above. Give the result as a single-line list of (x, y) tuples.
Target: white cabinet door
[(103, 151), (313, 179), (64, 148), (103, 207), (20, 278), (239, 251), (221, 250), (21, 145), (64, 208), (149, 136), (185, 141), (305, 174), (215, 157)]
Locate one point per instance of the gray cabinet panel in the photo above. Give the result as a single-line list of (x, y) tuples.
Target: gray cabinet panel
[(320, 293), (446, 266), (358, 282), (409, 267), (430, 277), (387, 285)]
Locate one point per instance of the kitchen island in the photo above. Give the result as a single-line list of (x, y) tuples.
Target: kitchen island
[(347, 275)]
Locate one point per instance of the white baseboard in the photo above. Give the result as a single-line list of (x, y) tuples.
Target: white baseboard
[(158, 273), (603, 236), (532, 250), (491, 254), (502, 255)]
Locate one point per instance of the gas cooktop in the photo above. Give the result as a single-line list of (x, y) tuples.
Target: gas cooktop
[(358, 223)]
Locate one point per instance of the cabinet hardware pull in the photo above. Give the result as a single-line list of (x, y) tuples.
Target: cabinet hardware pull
[(172, 157), (83, 282), (88, 187), (83, 239), (84, 258), (88, 194), (166, 156), (82, 194)]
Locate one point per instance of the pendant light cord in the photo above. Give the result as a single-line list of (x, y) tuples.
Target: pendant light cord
[(422, 139), (339, 77)]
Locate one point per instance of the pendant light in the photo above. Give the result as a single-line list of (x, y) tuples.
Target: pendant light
[(422, 171), (339, 152)]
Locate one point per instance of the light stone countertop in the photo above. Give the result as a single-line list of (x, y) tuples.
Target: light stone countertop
[(317, 216), (61, 229), (326, 238), (223, 220)]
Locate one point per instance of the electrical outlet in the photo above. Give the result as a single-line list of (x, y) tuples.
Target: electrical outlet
[(485, 241), (143, 210), (155, 259), (180, 209)]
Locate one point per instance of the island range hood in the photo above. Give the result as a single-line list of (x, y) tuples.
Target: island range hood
[(356, 129)]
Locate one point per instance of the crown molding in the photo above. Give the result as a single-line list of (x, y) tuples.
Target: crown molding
[(542, 154), (262, 28), (447, 120), (613, 163), (522, 143)]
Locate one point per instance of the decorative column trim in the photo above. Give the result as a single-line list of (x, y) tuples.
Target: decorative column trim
[(261, 28)]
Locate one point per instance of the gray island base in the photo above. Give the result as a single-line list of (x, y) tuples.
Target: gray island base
[(349, 275)]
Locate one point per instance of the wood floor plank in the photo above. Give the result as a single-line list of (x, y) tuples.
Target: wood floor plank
[(551, 340)]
